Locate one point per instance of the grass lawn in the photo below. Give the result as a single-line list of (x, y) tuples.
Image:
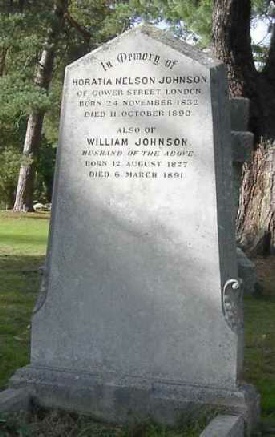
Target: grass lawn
[(259, 365), (22, 249)]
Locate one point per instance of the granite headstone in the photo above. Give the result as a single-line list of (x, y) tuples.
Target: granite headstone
[(140, 310)]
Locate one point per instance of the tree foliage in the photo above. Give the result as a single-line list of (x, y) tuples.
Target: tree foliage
[(87, 24)]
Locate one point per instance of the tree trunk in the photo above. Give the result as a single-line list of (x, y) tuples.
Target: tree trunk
[(256, 216), (231, 38), (26, 179), (267, 92), (231, 41), (25, 184), (3, 55)]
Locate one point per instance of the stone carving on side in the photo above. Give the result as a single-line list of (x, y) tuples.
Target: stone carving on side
[(231, 301), (43, 291)]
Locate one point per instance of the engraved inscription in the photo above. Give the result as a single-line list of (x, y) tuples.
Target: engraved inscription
[(135, 106)]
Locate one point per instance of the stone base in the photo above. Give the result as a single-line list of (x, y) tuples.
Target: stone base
[(225, 426), (12, 400), (121, 400)]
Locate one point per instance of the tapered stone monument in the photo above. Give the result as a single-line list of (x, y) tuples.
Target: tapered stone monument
[(140, 310)]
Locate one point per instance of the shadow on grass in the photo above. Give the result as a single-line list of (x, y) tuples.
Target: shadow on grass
[(19, 263), (37, 215), (20, 278), (259, 363), (22, 239), (25, 215)]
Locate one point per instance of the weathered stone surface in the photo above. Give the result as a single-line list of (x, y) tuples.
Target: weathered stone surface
[(239, 113), (241, 142), (140, 298), (225, 426), (128, 399), (12, 400), (136, 258), (247, 272), (242, 146)]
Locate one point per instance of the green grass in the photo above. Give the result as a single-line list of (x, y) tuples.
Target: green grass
[(22, 249), (259, 364), (55, 423), (23, 234)]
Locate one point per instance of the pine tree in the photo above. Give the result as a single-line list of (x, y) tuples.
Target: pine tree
[(43, 76), (70, 29)]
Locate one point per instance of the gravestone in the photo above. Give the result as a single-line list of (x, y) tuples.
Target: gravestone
[(241, 140), (242, 147), (140, 309)]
